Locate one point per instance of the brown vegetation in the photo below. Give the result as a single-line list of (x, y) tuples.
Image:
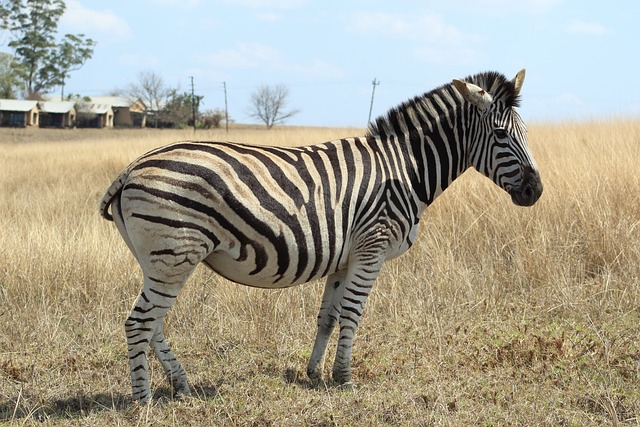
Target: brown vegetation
[(499, 315)]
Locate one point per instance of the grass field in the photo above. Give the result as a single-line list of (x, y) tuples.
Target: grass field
[(499, 315)]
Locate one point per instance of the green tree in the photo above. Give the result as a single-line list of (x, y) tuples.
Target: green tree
[(71, 54), (10, 85), (44, 61), (212, 118), (179, 110), (165, 106)]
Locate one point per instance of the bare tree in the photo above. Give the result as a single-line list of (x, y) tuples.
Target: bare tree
[(152, 91), (268, 104)]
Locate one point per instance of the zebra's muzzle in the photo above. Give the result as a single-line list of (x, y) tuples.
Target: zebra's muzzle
[(530, 190)]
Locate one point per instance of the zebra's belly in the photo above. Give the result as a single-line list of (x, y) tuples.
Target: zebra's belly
[(245, 272)]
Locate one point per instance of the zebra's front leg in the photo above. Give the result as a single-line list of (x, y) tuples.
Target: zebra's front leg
[(358, 285), (141, 326), (327, 318), (176, 375)]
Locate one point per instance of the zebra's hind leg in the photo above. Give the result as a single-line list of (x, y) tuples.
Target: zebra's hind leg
[(142, 326), (176, 375), (327, 319), (358, 284)]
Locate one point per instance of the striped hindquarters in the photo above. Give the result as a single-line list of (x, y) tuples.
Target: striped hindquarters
[(269, 216)]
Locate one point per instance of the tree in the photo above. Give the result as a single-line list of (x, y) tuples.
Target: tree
[(71, 55), (268, 104), (44, 63), (177, 112), (152, 91), (10, 85), (212, 118)]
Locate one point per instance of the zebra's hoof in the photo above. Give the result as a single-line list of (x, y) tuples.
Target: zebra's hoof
[(183, 392), (141, 402), (348, 386), (342, 376), (315, 375)]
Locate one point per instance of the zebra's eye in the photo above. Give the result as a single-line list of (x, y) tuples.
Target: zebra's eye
[(500, 133)]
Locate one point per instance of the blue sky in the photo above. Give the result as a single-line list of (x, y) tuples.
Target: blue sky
[(581, 56)]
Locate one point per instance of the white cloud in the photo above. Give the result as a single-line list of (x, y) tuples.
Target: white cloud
[(426, 27), (178, 3), (459, 55), (259, 56), (269, 4), (269, 17), (430, 38), (587, 28), (503, 7), (85, 20), (139, 60), (243, 55), (317, 69)]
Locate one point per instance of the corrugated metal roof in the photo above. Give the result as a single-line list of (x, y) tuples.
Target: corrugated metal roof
[(96, 108), (114, 101), (55, 106), (17, 105)]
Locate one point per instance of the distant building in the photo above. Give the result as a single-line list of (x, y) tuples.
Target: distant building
[(18, 113), (94, 112), (57, 114), (92, 115), (127, 112)]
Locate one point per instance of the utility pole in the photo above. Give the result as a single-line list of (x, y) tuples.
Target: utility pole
[(373, 92), (226, 109), (193, 105)]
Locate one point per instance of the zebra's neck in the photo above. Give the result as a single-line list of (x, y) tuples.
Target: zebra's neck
[(428, 130)]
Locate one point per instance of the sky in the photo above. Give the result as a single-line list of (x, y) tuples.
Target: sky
[(581, 56)]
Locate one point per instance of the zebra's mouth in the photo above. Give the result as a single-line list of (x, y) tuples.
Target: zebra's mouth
[(529, 191)]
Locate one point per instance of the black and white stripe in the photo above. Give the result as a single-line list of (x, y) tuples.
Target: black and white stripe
[(276, 217)]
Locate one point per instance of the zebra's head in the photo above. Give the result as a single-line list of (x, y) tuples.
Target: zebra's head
[(499, 147)]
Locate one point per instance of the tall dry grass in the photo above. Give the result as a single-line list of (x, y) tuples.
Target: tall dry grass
[(499, 315)]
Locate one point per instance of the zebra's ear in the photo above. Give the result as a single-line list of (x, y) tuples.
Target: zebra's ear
[(518, 80), (474, 94)]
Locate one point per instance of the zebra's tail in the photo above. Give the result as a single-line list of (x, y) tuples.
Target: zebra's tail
[(113, 192)]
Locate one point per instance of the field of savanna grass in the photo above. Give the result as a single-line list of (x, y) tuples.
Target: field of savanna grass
[(499, 315)]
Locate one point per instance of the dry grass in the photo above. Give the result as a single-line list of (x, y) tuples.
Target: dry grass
[(498, 316)]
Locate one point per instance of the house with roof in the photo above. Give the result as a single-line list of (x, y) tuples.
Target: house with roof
[(57, 114), (18, 113), (127, 112), (94, 115), (95, 112)]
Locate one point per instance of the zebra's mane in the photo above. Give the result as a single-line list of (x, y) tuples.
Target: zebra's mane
[(495, 83)]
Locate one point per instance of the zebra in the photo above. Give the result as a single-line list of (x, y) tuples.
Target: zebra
[(274, 217)]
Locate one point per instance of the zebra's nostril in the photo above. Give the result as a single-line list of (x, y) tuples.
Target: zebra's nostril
[(528, 192), (526, 195)]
